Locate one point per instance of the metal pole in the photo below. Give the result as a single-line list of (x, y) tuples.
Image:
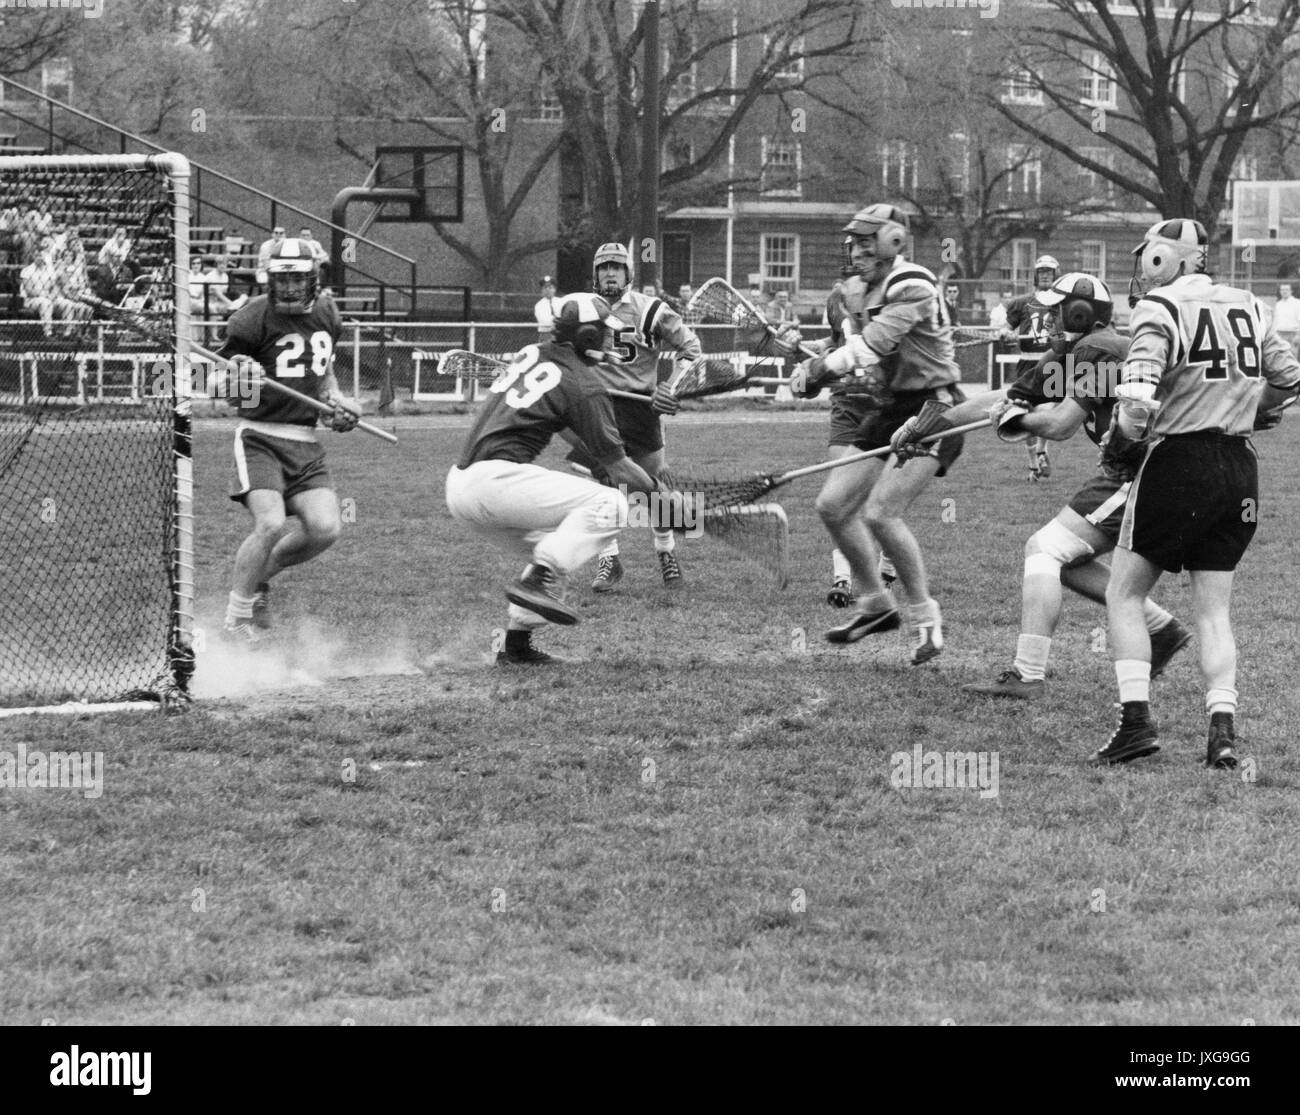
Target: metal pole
[(649, 267)]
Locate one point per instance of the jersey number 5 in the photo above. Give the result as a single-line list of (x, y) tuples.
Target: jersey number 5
[(289, 363), (536, 380), (1207, 351)]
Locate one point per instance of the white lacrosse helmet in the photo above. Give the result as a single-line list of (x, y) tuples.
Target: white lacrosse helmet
[(1169, 249), (612, 253), (1049, 264)]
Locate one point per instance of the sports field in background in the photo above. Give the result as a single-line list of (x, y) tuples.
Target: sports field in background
[(695, 821)]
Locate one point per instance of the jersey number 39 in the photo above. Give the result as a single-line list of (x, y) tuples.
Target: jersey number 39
[(535, 379)]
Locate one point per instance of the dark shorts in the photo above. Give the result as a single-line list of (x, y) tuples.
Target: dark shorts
[(1102, 501), (275, 464), (876, 430), (1194, 503), (638, 426), (848, 412)]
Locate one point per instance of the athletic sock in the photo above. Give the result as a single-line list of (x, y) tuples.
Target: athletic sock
[(841, 570), (1157, 619), (1134, 678), (1031, 656), (665, 543), (927, 612), (611, 550), (1220, 700), (239, 607)]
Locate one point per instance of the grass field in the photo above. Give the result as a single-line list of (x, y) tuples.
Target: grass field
[(692, 823)]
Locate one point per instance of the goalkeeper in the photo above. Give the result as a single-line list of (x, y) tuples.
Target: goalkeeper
[(897, 355), (1071, 386)]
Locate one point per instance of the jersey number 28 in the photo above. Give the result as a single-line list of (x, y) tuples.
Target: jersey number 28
[(290, 363)]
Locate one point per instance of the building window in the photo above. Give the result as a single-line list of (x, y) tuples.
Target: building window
[(1097, 83), (56, 79), (782, 162), (684, 85), (548, 104), (1018, 89), (678, 153), (1092, 258), (1024, 172), (677, 261), (1244, 169), (792, 70), (1097, 186), (898, 165), (1021, 269), (779, 262)]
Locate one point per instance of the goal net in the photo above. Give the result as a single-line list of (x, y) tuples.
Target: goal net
[(96, 513)]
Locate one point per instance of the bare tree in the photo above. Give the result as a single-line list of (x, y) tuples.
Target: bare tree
[(28, 38), (1196, 81)]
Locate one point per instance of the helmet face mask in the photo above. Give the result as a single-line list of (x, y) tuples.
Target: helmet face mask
[(605, 279), (874, 238), (1045, 266), (1169, 250), (292, 278)]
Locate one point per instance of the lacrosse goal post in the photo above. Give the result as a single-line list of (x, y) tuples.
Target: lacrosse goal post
[(96, 481)]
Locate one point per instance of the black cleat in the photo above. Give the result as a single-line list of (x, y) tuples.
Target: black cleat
[(527, 655), (841, 594), (539, 590), (1130, 741), (1165, 643), (672, 572), (1221, 750), (1010, 684), (609, 571), (863, 624)]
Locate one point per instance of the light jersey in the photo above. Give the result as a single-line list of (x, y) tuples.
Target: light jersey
[(1207, 349), (543, 390), (645, 323), (901, 318), (296, 349)]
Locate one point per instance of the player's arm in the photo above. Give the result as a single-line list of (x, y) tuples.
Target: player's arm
[(1281, 374)]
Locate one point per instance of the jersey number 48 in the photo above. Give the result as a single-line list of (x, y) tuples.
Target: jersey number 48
[(1207, 351)]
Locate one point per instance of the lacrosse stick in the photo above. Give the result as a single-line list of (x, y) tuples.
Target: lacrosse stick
[(717, 302), (155, 327), (758, 532), (706, 376), (746, 490)]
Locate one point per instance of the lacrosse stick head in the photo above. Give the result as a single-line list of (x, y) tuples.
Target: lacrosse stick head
[(708, 375)]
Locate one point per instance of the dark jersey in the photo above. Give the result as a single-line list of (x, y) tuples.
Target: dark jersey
[(296, 349), (545, 389), (1088, 374), (1029, 320)]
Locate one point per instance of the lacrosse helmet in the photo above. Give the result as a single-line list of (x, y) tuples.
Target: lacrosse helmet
[(292, 277), (1048, 264), (581, 322), (1081, 303), (1169, 249), (611, 253), (879, 233)]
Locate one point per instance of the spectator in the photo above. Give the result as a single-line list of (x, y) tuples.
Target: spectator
[(209, 302), (73, 285), (34, 231), (42, 292), (264, 254), (112, 256), (780, 311), (684, 293), (1286, 318), (650, 290), (952, 299), (998, 315), (544, 310), (756, 296), (10, 259), (319, 254)]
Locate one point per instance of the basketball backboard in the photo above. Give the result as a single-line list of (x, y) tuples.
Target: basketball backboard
[(1266, 213)]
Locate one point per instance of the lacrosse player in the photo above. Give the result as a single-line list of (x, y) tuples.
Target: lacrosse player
[(287, 334), (1192, 390), (897, 354), (1071, 386), (553, 520), (1027, 326), (642, 325)]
